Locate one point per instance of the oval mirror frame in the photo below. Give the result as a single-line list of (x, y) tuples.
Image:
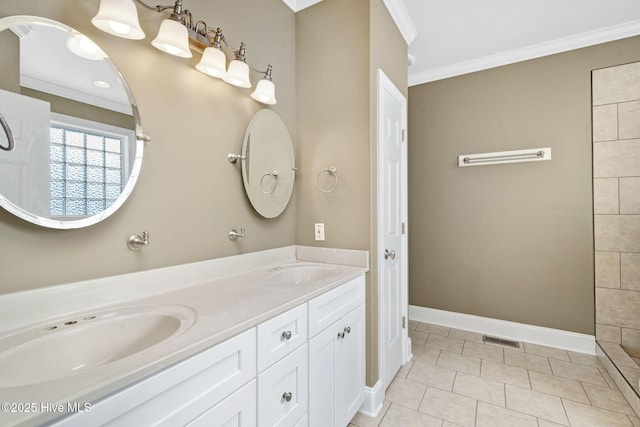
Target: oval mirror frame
[(268, 164), (135, 162)]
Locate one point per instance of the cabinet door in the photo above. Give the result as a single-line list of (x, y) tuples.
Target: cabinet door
[(237, 410), (350, 366), (283, 391), (322, 377)]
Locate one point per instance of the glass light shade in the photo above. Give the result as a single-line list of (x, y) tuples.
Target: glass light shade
[(213, 62), (119, 18), (238, 74), (173, 38), (81, 45), (265, 92)]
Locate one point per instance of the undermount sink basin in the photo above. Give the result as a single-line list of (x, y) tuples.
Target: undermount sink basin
[(80, 343), (301, 273)]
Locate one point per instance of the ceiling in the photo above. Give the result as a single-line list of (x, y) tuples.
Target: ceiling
[(47, 65), (452, 37)]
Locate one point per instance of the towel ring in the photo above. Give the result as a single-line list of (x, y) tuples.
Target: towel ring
[(7, 130), (273, 175), (332, 172)]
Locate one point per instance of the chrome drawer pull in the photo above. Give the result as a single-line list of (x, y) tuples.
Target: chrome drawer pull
[(287, 396), (286, 335)]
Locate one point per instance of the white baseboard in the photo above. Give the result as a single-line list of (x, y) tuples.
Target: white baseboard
[(373, 400), (549, 337)]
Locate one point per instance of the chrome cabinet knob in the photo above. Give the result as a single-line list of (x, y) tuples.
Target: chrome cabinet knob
[(389, 254), (348, 329), (286, 335), (287, 396), (341, 335)]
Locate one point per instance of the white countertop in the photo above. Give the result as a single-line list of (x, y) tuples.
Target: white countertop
[(228, 295)]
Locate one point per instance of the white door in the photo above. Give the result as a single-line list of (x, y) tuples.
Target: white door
[(392, 223)]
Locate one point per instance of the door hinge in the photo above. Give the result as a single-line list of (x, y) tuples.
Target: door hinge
[(402, 135), (404, 322), (403, 228)]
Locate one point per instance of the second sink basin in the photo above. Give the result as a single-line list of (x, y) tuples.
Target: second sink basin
[(301, 273), (79, 343)]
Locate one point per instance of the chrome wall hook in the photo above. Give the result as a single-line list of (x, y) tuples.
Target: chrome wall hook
[(136, 242), (233, 234)]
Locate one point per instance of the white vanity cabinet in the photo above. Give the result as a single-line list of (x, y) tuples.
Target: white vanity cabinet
[(337, 355), (303, 367), (182, 393)]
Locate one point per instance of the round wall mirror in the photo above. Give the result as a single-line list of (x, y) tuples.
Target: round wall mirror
[(268, 164), (71, 134)]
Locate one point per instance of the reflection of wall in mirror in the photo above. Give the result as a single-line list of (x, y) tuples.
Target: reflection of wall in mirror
[(24, 171), (9, 70)]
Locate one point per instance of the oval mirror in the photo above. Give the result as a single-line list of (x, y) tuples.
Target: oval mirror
[(268, 164), (72, 145)]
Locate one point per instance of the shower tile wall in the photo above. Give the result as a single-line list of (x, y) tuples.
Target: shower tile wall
[(616, 187)]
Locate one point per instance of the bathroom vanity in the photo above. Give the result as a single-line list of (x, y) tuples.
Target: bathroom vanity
[(279, 343)]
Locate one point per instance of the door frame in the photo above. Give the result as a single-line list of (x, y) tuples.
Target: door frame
[(385, 83)]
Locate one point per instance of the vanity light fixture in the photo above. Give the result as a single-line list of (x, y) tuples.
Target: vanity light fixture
[(265, 89), (120, 18), (214, 61), (238, 71), (178, 34)]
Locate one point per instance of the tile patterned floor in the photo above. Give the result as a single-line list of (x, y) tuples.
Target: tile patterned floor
[(454, 379)]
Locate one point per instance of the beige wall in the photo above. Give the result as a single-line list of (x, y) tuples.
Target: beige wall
[(339, 46), (188, 196), (512, 242), (616, 190)]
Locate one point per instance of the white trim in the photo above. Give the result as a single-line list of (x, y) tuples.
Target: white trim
[(577, 41), (298, 5), (402, 19), (373, 400), (549, 337)]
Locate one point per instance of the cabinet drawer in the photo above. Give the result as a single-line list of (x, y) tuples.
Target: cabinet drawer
[(179, 393), (237, 410), (327, 308), (283, 394), (281, 335)]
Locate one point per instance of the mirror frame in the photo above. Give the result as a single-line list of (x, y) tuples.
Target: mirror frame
[(10, 21)]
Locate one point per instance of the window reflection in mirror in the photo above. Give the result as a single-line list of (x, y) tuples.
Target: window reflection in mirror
[(76, 155)]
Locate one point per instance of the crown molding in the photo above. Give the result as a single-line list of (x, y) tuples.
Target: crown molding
[(298, 5), (402, 19), (589, 38)]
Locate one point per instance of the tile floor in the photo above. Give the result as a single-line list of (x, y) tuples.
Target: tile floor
[(454, 379)]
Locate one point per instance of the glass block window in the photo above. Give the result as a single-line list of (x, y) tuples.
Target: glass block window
[(86, 170)]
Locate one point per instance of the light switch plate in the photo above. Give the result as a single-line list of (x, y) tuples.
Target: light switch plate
[(319, 231)]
